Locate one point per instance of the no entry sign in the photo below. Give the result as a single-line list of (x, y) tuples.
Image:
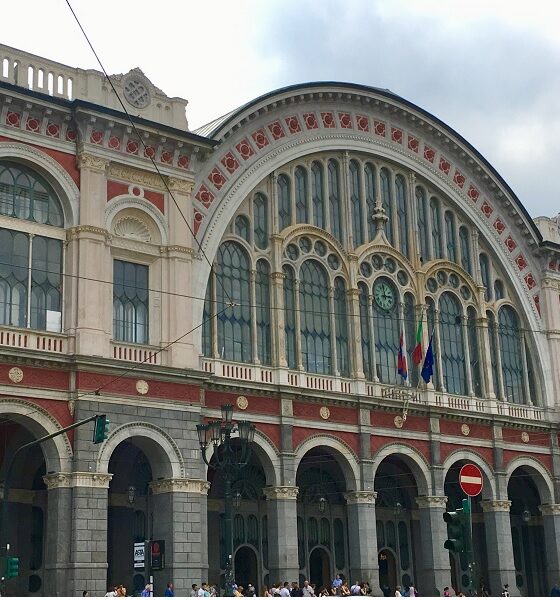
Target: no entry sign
[(470, 479)]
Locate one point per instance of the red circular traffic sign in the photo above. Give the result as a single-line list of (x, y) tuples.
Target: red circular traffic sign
[(470, 479)]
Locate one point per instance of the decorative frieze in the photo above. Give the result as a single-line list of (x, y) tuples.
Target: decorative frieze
[(132, 175), (77, 479), (181, 485), (281, 492), (431, 501), (89, 161), (495, 505), (360, 497)]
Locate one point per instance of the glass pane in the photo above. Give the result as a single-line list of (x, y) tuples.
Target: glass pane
[(207, 329), (474, 351), (242, 227), (317, 195), (485, 275), (14, 260), (387, 202), (262, 294), (431, 316), (511, 339), (402, 216), (423, 240), (356, 204), (334, 200), (465, 250), (341, 325), (290, 316), (450, 236), (260, 215), (300, 177), (386, 331), (493, 334), (130, 302), (284, 203), (452, 344), (437, 246), (410, 326), (46, 284), (369, 173), (365, 318), (403, 546)]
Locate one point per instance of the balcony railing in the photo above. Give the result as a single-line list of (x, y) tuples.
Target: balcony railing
[(135, 353), (27, 339)]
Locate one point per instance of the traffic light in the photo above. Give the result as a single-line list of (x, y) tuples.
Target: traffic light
[(100, 429), (458, 529), (12, 567)]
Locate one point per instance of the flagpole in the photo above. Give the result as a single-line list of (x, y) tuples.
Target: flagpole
[(429, 351)]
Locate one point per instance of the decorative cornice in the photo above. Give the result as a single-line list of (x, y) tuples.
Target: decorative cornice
[(431, 501), (549, 509), (360, 497), (74, 232), (89, 161), (180, 485), (180, 185), (78, 479), (281, 492), (178, 250), (133, 175), (496, 505)]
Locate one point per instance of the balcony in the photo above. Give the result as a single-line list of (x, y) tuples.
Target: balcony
[(149, 355), (27, 339)]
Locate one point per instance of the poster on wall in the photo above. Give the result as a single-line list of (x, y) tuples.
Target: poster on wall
[(157, 554), (139, 555)]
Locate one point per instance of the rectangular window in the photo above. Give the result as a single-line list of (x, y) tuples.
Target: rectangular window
[(130, 302)]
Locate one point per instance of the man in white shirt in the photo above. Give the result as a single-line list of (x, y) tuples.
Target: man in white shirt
[(285, 590), (356, 590), (307, 590)]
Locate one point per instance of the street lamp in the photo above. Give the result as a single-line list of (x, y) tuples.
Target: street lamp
[(227, 460)]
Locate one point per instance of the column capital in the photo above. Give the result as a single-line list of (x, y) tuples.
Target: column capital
[(281, 492), (431, 501), (77, 479), (180, 185), (89, 161), (180, 484), (549, 509), (360, 497), (495, 505)]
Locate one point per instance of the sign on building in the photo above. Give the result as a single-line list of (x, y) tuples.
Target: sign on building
[(139, 555)]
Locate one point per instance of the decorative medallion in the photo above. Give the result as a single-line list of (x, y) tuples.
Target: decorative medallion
[(399, 422), (142, 387), (524, 437), (325, 412), (15, 374), (242, 402), (136, 91), (465, 429)]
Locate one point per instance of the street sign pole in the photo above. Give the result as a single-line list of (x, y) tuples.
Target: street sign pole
[(471, 482)]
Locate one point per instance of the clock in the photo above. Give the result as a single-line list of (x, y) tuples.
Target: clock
[(384, 295)]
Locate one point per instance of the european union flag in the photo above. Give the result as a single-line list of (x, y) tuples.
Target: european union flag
[(428, 366)]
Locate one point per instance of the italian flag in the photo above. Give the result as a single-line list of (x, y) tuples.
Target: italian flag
[(417, 352)]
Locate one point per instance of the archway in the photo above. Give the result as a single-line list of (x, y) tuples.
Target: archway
[(246, 567), (319, 570), (387, 571)]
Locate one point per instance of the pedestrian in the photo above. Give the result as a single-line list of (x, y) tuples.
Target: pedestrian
[(398, 591), (121, 591), (295, 592), (412, 590), (85, 594), (505, 590), (285, 590), (265, 592), (356, 589), (250, 591), (194, 590), (146, 592), (111, 593), (169, 590), (307, 591), (446, 591)]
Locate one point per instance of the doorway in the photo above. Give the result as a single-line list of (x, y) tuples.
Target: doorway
[(319, 571), (246, 568), (387, 571)]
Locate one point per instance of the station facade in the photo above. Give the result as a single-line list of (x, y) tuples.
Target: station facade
[(277, 260)]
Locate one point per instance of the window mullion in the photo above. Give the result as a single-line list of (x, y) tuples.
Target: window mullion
[(373, 351), (254, 328), (524, 362), (297, 327), (334, 350), (29, 281)]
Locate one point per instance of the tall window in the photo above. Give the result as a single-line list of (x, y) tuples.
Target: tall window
[(511, 340), (437, 246), (207, 325), (494, 362), (130, 302), (485, 276), (423, 241), (465, 249), (317, 195), (474, 351), (260, 218), (410, 334), (262, 309), (341, 326), (284, 203), (242, 227), (402, 217), (431, 318), (386, 330), (356, 204), (452, 344), (334, 200), (387, 202), (365, 331), (290, 316), (300, 177), (315, 318), (369, 173), (450, 236)]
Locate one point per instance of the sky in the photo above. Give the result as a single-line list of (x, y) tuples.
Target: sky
[(490, 69)]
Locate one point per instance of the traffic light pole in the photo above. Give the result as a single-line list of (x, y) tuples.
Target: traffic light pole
[(5, 503), (470, 550)]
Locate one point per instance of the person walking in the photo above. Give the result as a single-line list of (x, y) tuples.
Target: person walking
[(169, 590)]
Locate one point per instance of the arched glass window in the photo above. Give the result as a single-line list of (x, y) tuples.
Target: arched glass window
[(300, 177), (341, 326), (499, 289), (242, 227), (130, 302), (46, 284), (410, 334), (431, 317), (284, 203), (365, 330), (262, 298), (511, 339), (400, 192), (315, 318), (494, 363), (452, 344), (26, 195), (474, 351), (207, 328), (450, 236), (334, 200), (14, 276), (317, 195), (260, 220), (233, 285), (356, 204), (369, 173), (437, 246), (423, 241), (386, 329), (387, 202), (485, 275), (290, 315), (465, 249)]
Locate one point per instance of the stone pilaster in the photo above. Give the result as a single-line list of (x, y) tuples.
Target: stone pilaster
[(179, 507), (362, 536), (282, 532), (435, 571), (551, 525), (501, 568)]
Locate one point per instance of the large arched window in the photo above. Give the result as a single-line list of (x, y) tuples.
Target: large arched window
[(452, 344), (485, 276), (262, 309), (466, 262), (365, 324), (334, 200), (369, 175), (233, 285), (437, 246), (387, 202), (317, 195), (402, 217), (300, 177), (260, 221), (314, 317), (290, 315), (386, 329), (450, 237), (423, 239), (284, 203), (356, 204), (511, 341), (474, 352), (341, 326)]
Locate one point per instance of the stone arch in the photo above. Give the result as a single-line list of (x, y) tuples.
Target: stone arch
[(160, 448), (342, 453), (53, 172), (489, 485), (140, 209), (412, 459), (58, 451), (539, 474)]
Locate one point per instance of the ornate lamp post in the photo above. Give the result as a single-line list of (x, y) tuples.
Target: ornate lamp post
[(227, 459)]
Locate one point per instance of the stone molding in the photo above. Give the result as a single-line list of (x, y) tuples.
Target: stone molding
[(431, 501), (89, 161), (133, 175), (180, 484), (360, 497), (180, 185), (74, 232), (549, 509), (77, 479), (496, 505), (281, 492)]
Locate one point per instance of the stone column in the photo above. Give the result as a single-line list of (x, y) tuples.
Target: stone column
[(282, 533), (362, 536), (180, 518), (58, 534), (435, 573), (501, 568), (551, 524)]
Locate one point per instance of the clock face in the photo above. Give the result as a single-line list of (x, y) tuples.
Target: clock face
[(384, 295)]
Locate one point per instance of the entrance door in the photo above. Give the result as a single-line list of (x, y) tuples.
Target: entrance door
[(319, 572), (387, 572), (245, 568)]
